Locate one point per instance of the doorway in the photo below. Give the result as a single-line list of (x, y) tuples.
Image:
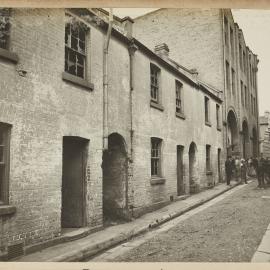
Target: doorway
[(192, 167), (180, 174), (219, 165), (73, 179)]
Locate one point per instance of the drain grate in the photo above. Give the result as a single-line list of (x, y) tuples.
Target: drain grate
[(15, 250)]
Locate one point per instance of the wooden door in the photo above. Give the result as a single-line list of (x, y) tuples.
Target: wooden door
[(74, 151), (180, 182)]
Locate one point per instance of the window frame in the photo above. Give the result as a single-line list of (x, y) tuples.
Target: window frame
[(228, 81), (179, 106), (155, 73), (5, 133), (218, 116), (207, 110), (208, 158), (73, 40), (156, 157)]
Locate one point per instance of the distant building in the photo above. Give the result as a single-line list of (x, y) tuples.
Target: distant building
[(210, 41), (265, 134)]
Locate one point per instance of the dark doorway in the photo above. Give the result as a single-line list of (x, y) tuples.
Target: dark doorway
[(219, 166), (233, 138), (192, 167), (115, 179), (180, 178), (73, 178), (245, 139)]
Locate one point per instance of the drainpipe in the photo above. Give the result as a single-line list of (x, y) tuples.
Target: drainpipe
[(105, 82)]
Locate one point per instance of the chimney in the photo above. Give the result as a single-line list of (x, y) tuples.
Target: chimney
[(127, 23), (162, 50)]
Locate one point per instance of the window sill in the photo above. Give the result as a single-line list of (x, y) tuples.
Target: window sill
[(77, 81), (10, 56), (157, 181), (208, 124), (156, 105), (7, 210), (180, 115), (219, 128), (209, 173)]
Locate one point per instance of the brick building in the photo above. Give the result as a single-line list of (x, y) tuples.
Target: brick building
[(210, 41), (75, 155), (265, 134)]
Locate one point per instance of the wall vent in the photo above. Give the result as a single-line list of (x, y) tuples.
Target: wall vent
[(15, 250)]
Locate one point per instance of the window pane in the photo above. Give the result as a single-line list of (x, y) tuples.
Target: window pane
[(72, 57), (80, 59), (81, 46), (74, 43), (1, 153), (80, 71), (82, 35), (72, 68)]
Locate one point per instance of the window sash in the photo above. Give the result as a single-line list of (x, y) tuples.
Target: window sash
[(155, 157), (75, 51), (178, 100), (154, 77)]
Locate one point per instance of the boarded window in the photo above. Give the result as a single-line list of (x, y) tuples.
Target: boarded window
[(75, 48), (156, 156), (4, 162), (178, 93), (155, 73)]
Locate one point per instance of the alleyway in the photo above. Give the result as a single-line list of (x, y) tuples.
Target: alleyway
[(229, 230)]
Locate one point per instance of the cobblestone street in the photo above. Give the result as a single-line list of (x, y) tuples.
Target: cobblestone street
[(228, 231)]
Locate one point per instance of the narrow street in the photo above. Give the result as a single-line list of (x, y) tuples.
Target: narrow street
[(228, 228)]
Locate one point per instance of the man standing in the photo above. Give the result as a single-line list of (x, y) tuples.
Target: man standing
[(228, 169)]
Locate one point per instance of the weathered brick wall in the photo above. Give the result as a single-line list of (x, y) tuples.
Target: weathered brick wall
[(42, 109), (173, 131), (193, 35)]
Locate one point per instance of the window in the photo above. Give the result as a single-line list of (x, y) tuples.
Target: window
[(155, 73), (233, 81), (218, 116), (208, 160), (226, 30), (178, 94), (4, 27), (244, 62), (255, 105), (75, 48), (246, 96), (240, 57), (242, 93), (228, 76), (206, 109), (156, 157), (232, 41), (4, 162)]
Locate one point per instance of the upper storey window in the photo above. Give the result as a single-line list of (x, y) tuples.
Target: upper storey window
[(75, 48), (4, 27)]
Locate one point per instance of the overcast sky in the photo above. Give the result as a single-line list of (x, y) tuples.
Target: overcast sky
[(256, 28)]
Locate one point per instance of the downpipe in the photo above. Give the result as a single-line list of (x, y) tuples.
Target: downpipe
[(105, 82)]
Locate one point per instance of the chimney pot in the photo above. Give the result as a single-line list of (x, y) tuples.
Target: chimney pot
[(162, 50)]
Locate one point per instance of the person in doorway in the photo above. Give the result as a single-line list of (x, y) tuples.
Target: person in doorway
[(228, 169), (243, 168)]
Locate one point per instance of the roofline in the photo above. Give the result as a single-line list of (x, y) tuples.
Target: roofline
[(146, 50)]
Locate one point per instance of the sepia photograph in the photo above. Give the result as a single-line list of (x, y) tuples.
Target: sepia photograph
[(134, 134)]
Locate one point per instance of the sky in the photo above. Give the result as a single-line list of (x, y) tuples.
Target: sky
[(256, 28)]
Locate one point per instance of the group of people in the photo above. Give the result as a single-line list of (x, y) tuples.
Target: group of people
[(239, 169)]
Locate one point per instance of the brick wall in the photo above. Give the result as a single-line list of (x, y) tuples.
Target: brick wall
[(42, 108)]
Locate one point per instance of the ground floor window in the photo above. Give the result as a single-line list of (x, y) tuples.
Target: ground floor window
[(156, 156)]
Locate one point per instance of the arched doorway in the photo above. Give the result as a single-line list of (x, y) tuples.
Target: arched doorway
[(192, 167), (114, 178), (232, 137), (245, 139), (254, 142)]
